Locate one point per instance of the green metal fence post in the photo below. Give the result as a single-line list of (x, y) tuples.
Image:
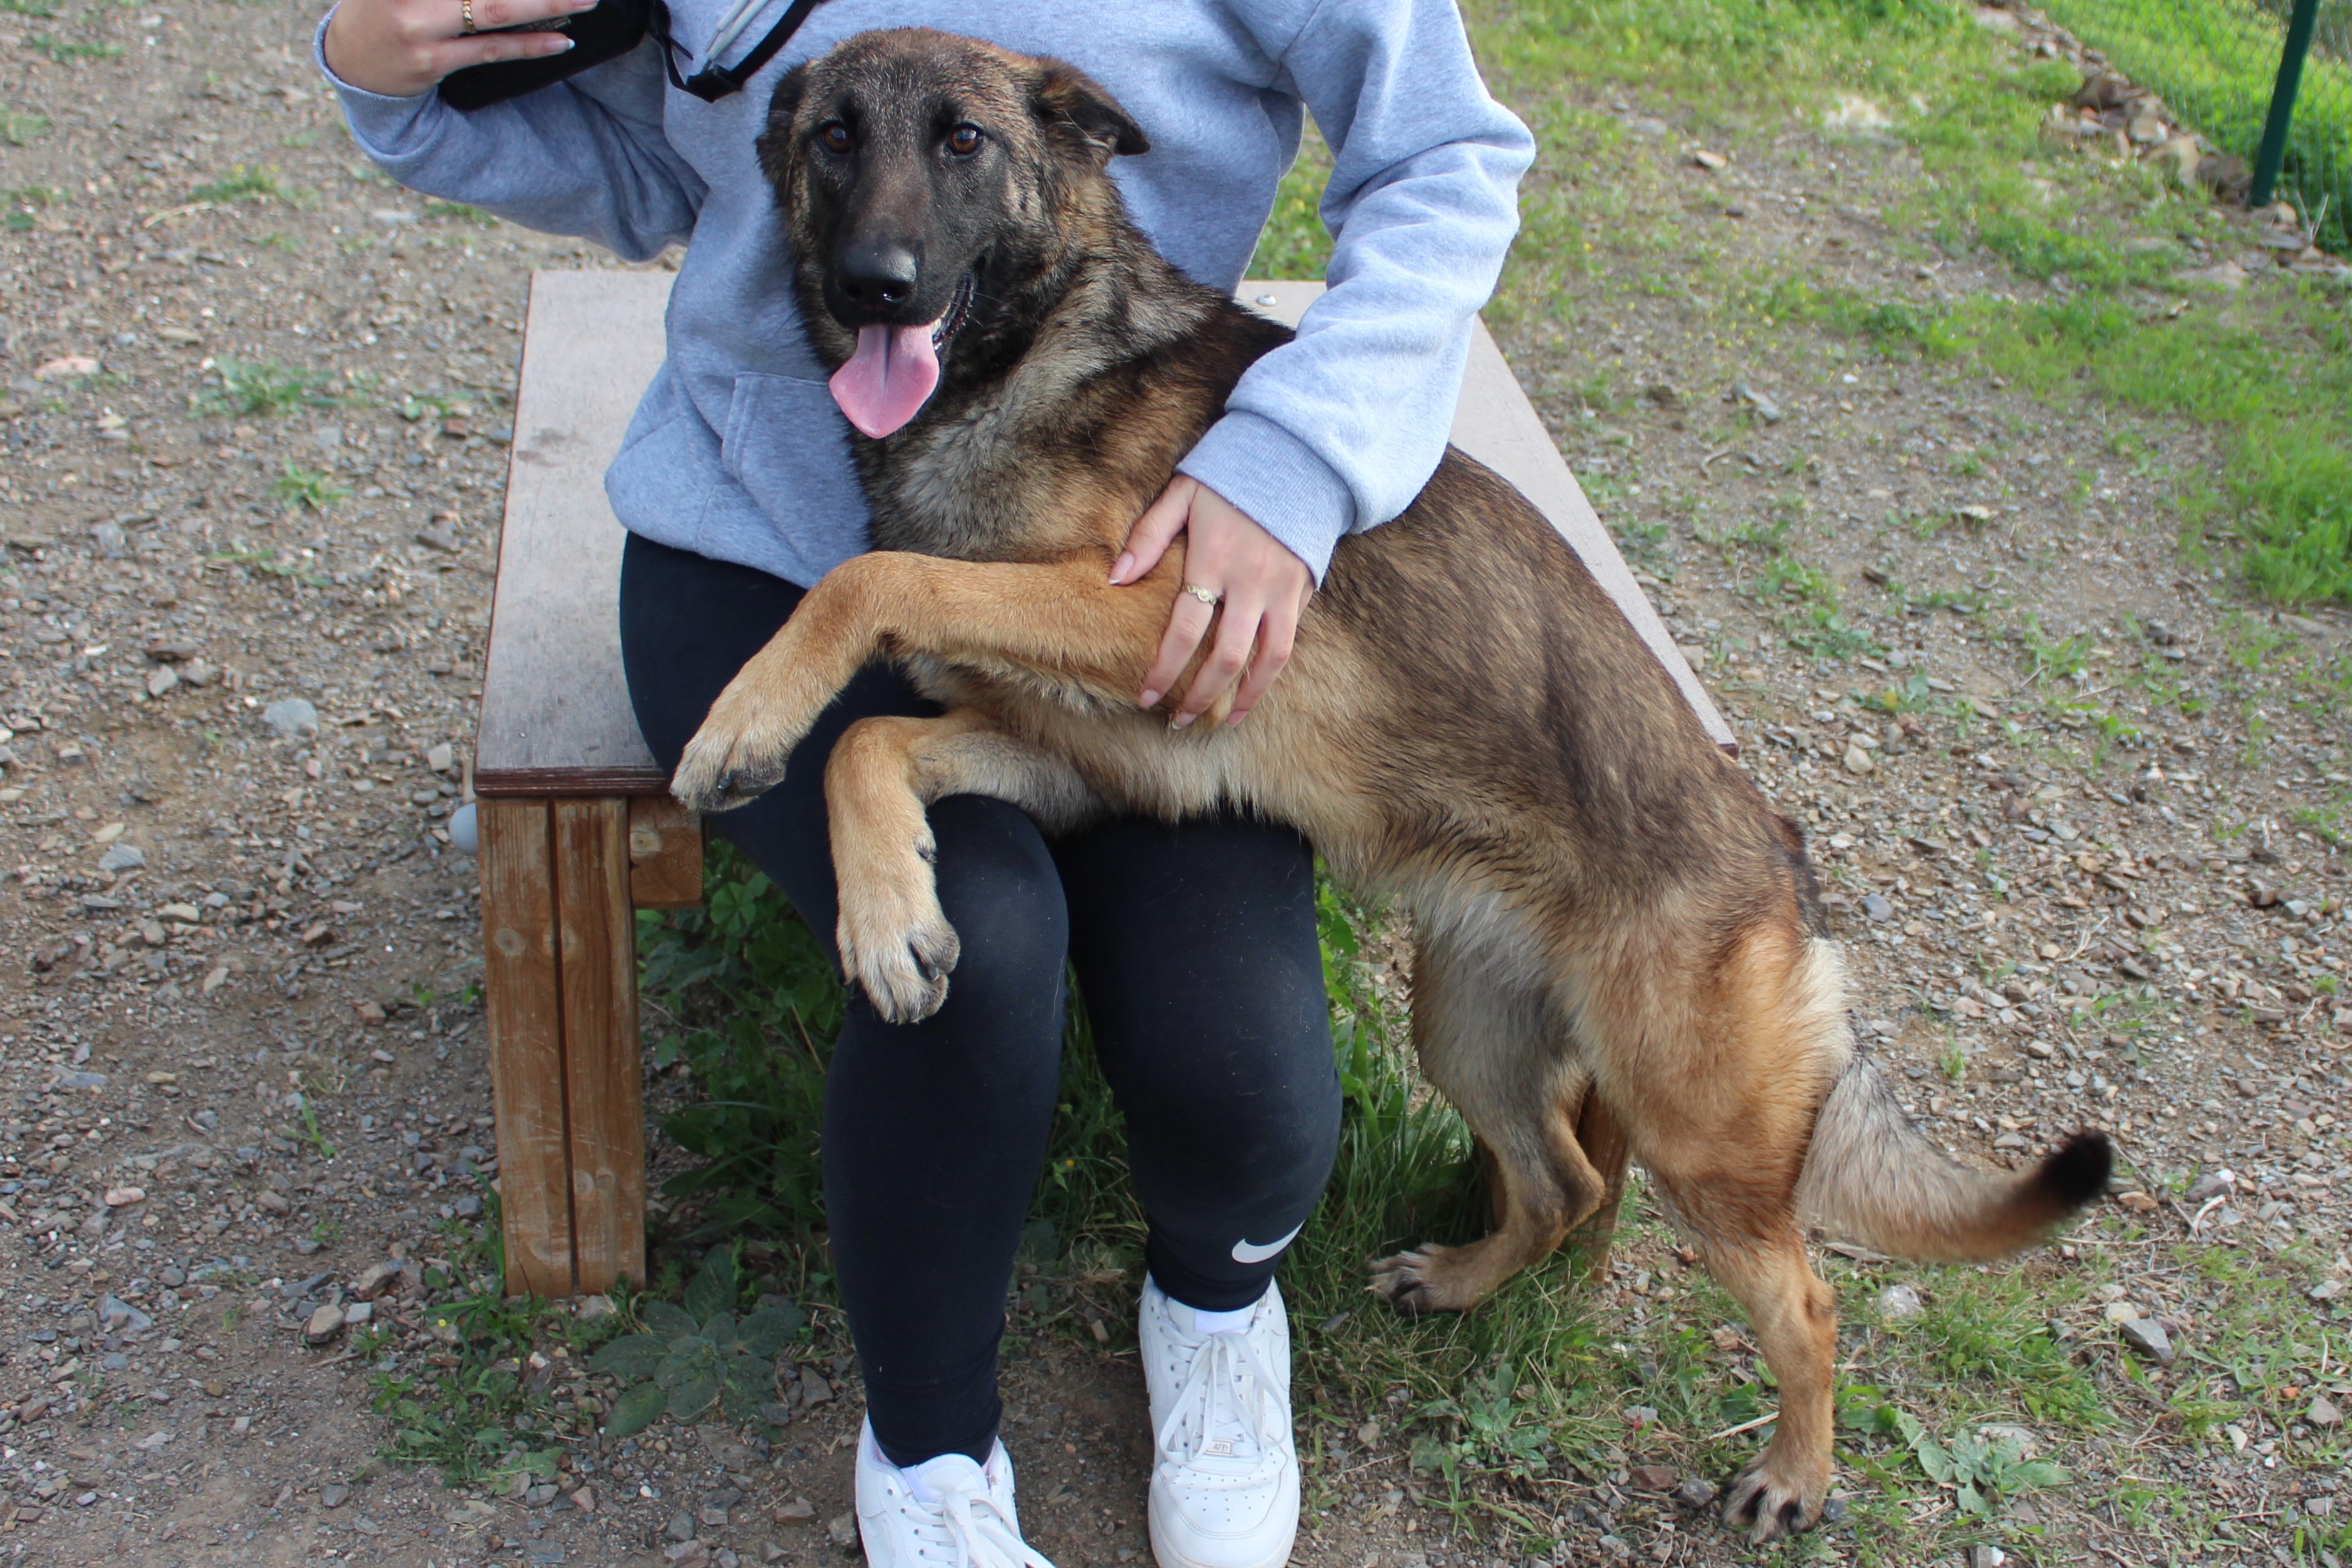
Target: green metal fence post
[(2282, 114)]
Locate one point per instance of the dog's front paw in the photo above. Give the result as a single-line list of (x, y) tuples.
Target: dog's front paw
[(724, 766), (1766, 1504), (897, 944)]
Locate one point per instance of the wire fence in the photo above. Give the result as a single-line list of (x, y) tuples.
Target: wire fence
[(2214, 63)]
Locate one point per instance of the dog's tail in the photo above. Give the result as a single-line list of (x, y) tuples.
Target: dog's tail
[(1873, 1177)]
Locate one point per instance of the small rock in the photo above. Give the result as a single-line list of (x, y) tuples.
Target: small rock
[(1710, 161), (1877, 909), (592, 1308), (324, 1325), (2211, 1185), (800, 1510), (2227, 275), (1640, 1415), (374, 1279), (814, 1390), (291, 718), (1858, 762), (585, 1499), (2148, 1336), (272, 1201), (440, 539), (1982, 1556), (124, 1197), (358, 1313), (1899, 1302), (1695, 1493), (121, 1317), (540, 1496), (1652, 1477), (2026, 1444), (686, 1555), (162, 679), (333, 1495), (123, 857), (65, 365), (680, 1526), (1766, 408), (843, 1530), (2324, 1413)]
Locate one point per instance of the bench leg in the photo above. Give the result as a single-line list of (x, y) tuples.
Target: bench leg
[(1604, 1144), (559, 984)]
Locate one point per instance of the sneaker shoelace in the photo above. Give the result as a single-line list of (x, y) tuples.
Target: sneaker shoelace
[(1227, 1417), (967, 1530)]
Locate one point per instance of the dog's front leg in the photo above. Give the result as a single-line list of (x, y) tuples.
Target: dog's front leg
[(768, 707), (1060, 619), (895, 939)]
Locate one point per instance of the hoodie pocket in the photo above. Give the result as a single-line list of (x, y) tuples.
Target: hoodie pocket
[(787, 444)]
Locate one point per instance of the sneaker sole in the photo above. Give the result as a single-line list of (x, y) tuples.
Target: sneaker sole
[(1169, 1557)]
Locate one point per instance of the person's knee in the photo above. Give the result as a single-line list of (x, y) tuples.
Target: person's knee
[(999, 889)]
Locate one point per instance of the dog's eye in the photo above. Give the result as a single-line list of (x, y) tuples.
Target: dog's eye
[(964, 141), (835, 136)]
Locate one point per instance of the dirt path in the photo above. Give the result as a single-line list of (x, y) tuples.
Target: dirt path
[(256, 424)]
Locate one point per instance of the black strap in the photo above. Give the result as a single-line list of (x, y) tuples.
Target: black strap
[(715, 81)]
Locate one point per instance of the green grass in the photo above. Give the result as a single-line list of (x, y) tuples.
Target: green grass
[(307, 489), (459, 212), (243, 185), (69, 51), (20, 128), (264, 386), (41, 10)]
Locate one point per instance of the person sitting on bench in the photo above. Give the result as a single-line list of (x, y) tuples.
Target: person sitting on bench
[(1194, 944)]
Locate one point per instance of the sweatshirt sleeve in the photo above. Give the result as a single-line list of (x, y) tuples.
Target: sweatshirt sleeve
[(586, 156), (1337, 431)]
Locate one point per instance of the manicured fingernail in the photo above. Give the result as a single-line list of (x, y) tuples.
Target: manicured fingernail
[(1182, 721), (561, 46), (1119, 573), (1147, 699)]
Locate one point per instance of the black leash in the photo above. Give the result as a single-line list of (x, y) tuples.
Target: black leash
[(715, 81)]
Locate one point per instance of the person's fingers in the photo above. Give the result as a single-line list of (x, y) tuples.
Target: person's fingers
[(1236, 635), (456, 54), (1275, 635), (1187, 623), (493, 13), (1155, 532)]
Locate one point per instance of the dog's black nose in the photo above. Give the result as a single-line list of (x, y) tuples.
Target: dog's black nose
[(878, 277)]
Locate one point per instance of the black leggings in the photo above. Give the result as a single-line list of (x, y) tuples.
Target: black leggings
[(1194, 948)]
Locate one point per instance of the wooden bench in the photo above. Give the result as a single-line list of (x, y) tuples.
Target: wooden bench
[(577, 829)]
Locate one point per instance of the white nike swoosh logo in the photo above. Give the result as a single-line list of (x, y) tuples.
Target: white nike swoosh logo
[(1251, 1252)]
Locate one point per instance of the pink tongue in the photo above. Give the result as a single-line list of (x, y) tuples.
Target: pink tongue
[(886, 381)]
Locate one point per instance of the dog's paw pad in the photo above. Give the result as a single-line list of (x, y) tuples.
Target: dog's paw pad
[(903, 970), (1768, 1507)]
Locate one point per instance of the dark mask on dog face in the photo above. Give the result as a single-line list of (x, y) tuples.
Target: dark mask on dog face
[(920, 174)]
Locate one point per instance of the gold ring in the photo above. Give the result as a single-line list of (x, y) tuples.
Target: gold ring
[(466, 11), (1208, 596)]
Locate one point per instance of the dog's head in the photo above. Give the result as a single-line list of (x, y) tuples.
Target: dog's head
[(928, 182)]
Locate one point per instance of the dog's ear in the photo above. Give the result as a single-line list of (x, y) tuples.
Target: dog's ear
[(775, 143), (1069, 101)]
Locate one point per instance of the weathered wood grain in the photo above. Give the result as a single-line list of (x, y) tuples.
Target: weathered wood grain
[(523, 1001), (603, 1086), (665, 854)]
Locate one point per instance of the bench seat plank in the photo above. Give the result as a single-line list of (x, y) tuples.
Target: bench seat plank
[(555, 710)]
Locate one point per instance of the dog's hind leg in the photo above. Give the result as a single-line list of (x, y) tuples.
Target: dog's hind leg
[(1499, 1054), (1719, 1064), (894, 940)]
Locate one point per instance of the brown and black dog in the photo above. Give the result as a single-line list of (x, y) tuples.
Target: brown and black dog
[(1600, 899)]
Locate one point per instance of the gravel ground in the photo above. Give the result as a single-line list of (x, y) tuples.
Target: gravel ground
[(256, 424)]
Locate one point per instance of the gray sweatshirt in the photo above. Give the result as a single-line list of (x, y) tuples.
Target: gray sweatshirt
[(737, 451)]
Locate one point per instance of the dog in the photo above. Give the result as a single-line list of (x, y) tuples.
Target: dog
[(1600, 900)]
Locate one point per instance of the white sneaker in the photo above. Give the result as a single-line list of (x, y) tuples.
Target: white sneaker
[(947, 1511), (1224, 1480)]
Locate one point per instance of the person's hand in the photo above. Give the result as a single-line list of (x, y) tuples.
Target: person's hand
[(404, 47), (1263, 590)]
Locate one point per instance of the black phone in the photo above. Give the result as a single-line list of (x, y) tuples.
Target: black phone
[(609, 31)]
